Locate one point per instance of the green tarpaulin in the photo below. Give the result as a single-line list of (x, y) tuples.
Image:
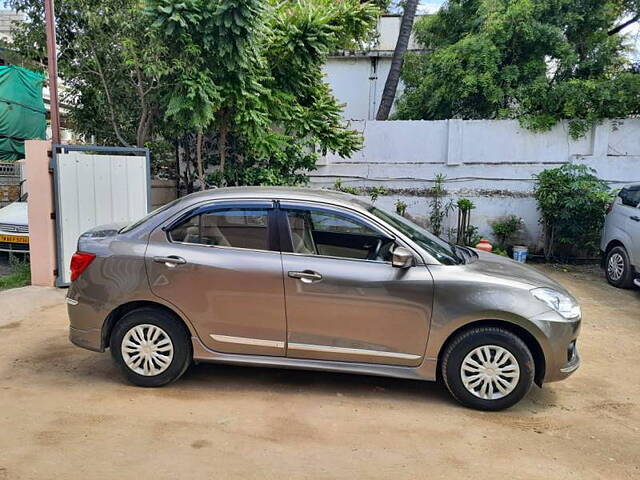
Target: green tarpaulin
[(22, 112)]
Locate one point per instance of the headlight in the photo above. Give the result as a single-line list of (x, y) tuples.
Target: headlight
[(561, 303)]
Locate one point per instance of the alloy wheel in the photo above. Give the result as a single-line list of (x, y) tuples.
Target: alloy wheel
[(615, 267), (490, 372)]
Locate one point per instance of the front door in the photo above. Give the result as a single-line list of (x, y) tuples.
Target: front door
[(344, 299), (631, 211), (219, 264)]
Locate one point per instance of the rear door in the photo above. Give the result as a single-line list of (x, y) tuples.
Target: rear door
[(220, 265)]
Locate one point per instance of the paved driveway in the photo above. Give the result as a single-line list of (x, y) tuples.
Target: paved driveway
[(66, 414)]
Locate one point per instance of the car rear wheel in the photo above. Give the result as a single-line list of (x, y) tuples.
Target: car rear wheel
[(488, 368), (151, 347), (618, 268)]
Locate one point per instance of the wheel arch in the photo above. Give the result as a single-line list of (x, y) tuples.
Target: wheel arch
[(119, 312), (527, 337), (618, 242), (612, 244)]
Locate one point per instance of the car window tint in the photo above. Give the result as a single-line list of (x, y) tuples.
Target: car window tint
[(317, 232), (237, 227), (630, 197), (328, 222)]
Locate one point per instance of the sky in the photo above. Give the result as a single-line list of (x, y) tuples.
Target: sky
[(429, 7), (633, 31)]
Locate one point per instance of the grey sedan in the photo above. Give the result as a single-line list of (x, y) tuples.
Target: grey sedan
[(309, 279)]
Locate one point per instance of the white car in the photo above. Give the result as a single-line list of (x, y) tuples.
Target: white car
[(14, 227), (620, 243)]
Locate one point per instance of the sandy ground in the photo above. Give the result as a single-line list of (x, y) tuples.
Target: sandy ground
[(65, 413)]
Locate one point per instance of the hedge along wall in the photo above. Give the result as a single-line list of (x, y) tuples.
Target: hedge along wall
[(490, 162)]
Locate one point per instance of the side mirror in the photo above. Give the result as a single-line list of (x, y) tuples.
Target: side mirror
[(402, 258)]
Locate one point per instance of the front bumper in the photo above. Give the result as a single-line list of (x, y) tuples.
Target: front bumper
[(14, 247), (559, 345)]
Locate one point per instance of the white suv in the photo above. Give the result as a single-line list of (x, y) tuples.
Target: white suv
[(621, 239)]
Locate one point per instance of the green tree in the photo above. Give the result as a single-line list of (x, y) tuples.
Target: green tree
[(572, 202), (250, 72), (538, 61), (110, 62)]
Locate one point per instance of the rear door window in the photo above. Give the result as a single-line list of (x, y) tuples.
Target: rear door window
[(233, 227)]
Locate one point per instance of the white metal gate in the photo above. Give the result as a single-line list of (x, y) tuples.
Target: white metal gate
[(96, 186)]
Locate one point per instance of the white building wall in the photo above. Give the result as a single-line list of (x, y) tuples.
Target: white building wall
[(358, 82), (493, 163), (357, 78), (7, 17)]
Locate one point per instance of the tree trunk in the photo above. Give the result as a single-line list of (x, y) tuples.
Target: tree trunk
[(199, 160), (624, 25), (188, 179), (222, 144), (391, 85), (107, 94)]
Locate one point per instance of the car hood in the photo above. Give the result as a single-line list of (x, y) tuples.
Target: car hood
[(15, 214), (507, 269)]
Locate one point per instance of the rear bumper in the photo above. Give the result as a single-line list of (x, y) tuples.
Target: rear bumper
[(85, 330), (89, 339)]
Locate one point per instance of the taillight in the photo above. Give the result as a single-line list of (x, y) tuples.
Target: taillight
[(79, 263)]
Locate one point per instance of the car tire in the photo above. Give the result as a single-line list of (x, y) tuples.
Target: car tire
[(491, 385), (618, 268), (151, 347)]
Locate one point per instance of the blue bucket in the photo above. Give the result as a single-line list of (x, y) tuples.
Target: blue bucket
[(520, 253)]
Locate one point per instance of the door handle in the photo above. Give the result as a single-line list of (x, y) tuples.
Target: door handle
[(308, 276), (635, 218), (171, 261)]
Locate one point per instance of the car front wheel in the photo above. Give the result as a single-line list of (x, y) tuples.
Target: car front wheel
[(619, 271), (151, 347), (488, 368)]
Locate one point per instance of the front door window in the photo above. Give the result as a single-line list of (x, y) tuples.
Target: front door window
[(333, 234)]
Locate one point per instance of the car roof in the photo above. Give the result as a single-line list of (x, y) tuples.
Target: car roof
[(281, 193)]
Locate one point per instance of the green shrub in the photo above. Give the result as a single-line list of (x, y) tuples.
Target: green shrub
[(465, 231), (20, 275), (401, 207), (375, 192), (346, 188), (572, 202), (506, 229), (438, 207)]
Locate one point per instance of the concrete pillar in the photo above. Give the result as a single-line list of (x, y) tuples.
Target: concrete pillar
[(42, 238), (454, 141), (601, 139)]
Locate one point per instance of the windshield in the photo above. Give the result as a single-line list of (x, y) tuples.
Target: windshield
[(149, 216), (442, 251)]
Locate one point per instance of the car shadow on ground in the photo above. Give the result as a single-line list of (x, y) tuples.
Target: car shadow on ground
[(59, 362), (232, 378)]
